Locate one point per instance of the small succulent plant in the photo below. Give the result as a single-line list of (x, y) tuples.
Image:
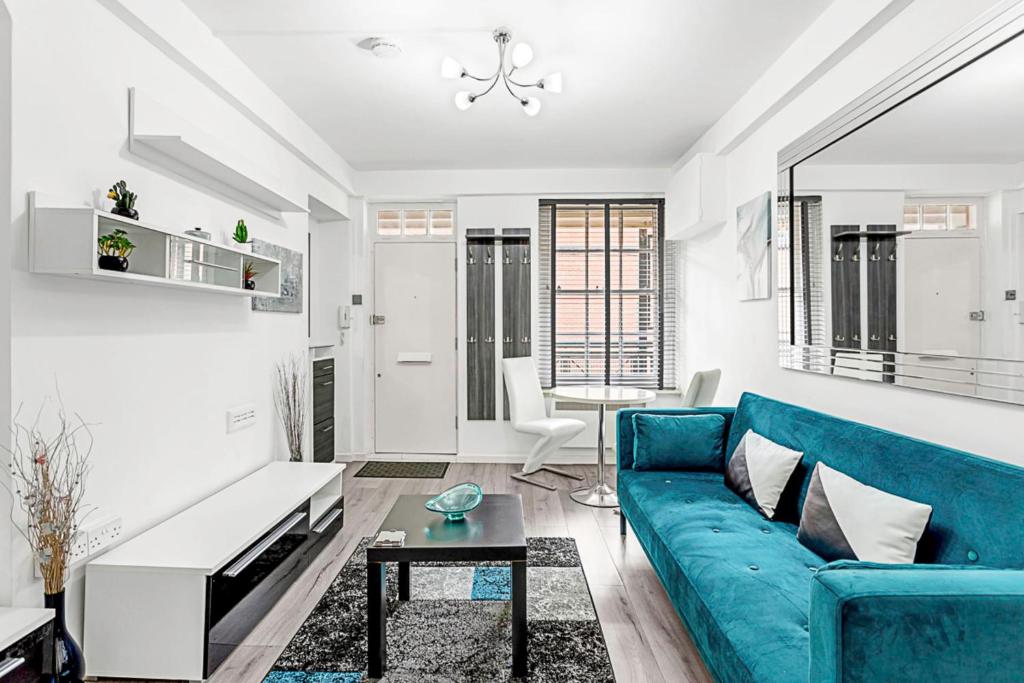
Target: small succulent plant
[(123, 199), (241, 234), (115, 244)]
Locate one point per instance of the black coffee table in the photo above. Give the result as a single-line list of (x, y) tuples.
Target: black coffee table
[(491, 533)]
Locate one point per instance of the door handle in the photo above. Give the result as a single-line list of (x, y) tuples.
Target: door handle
[(840, 338), (328, 429), (471, 340), (254, 554), (508, 340), (330, 517), (488, 340), (9, 665), (376, 319), (524, 340), (875, 337), (327, 383)]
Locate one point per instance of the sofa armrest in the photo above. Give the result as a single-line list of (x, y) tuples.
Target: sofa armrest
[(624, 427), (872, 622)]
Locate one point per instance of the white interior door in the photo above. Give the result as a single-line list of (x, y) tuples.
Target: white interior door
[(414, 347), (942, 289)]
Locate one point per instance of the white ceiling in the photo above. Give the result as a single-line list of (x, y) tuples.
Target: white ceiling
[(973, 117), (643, 80)]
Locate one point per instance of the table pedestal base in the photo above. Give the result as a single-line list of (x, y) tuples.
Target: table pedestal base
[(599, 496)]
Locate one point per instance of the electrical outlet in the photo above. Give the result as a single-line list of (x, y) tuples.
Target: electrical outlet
[(104, 532), (241, 417), (79, 548)]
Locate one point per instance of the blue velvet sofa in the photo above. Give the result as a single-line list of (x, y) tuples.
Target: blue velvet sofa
[(762, 607)]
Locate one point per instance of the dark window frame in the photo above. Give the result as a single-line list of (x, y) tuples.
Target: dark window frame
[(553, 328)]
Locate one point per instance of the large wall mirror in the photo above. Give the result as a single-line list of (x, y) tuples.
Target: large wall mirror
[(901, 225)]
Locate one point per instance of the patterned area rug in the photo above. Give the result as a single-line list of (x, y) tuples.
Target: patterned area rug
[(455, 628), (403, 470)]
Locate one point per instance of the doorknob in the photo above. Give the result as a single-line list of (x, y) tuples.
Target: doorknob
[(488, 340), (525, 340), (508, 340), (471, 340)]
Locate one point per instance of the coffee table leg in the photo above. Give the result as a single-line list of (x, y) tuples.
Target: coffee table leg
[(403, 580), (519, 619), (377, 605)]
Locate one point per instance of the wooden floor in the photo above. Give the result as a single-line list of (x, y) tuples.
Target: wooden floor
[(645, 639)]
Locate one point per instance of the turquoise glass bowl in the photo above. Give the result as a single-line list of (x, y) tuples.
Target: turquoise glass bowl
[(456, 501)]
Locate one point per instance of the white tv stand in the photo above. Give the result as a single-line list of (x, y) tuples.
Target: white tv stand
[(174, 601)]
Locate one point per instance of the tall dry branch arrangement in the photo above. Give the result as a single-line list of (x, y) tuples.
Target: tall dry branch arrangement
[(290, 387), (48, 480)]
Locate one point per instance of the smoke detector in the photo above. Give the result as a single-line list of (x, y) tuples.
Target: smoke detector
[(385, 48)]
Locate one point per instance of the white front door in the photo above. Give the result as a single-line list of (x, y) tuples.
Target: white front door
[(941, 292), (414, 347)]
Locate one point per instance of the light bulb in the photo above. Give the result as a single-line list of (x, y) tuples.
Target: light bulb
[(450, 69), (522, 54), (464, 100), (553, 82), (531, 106)]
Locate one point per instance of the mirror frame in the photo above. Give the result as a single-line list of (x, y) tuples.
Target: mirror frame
[(999, 25)]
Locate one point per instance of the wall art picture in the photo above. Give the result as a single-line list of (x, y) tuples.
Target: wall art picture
[(290, 300), (753, 248)]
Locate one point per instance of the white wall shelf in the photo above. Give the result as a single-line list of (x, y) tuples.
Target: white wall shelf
[(162, 136), (193, 153), (62, 241)]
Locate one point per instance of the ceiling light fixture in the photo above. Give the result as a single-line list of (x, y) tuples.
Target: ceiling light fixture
[(522, 54)]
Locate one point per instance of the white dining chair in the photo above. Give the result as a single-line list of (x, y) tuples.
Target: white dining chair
[(529, 415), (702, 389)]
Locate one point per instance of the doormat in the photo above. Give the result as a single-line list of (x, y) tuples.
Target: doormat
[(404, 470), (455, 626)]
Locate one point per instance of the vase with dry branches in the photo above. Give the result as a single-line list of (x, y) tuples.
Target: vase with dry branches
[(290, 387), (48, 470)]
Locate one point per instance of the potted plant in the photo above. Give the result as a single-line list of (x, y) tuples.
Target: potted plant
[(241, 233), (248, 273), (48, 472), (124, 201), (114, 248)]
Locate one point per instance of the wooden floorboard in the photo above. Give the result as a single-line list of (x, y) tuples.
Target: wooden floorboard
[(646, 641)]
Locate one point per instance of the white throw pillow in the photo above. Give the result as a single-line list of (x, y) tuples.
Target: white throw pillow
[(759, 470), (845, 519)]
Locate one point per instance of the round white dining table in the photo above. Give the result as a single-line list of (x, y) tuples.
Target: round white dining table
[(601, 495)]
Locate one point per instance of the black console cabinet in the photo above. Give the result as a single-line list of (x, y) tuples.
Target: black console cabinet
[(323, 410)]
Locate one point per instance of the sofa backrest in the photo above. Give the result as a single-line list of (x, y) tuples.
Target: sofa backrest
[(978, 504)]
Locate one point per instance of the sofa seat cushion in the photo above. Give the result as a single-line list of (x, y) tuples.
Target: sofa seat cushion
[(740, 583)]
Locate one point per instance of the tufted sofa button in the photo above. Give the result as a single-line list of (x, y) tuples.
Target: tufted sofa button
[(806, 628), (715, 530), (754, 567), (766, 531), (668, 481), (812, 568), (972, 556)]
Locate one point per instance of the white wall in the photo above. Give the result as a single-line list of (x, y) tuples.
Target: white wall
[(155, 369), (6, 503), (741, 338)]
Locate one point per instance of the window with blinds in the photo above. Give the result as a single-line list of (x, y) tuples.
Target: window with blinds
[(806, 237), (607, 309)]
